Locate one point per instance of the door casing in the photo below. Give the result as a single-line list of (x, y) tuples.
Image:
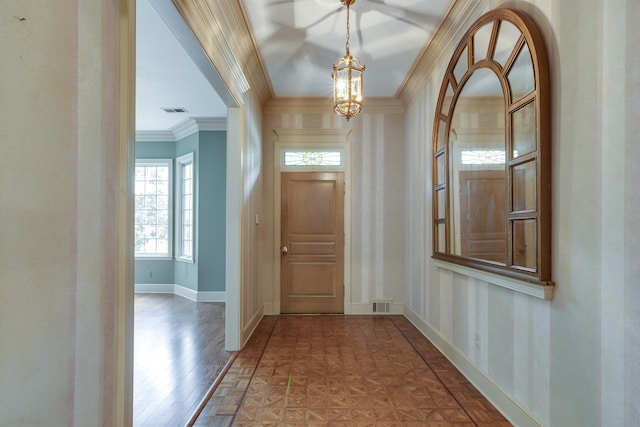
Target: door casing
[(308, 139)]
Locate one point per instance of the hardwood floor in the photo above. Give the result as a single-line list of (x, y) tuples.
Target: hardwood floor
[(296, 370), (178, 353), (344, 371)]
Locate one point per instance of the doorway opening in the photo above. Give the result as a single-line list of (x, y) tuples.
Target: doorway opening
[(186, 323)]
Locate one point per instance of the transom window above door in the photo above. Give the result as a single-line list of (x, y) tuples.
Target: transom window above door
[(293, 157)]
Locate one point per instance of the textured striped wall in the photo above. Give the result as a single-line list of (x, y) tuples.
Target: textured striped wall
[(377, 197)]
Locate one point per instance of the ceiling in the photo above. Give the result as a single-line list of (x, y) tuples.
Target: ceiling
[(166, 77), (299, 41)]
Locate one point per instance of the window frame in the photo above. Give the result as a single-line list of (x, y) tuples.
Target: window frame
[(169, 254), (182, 161)]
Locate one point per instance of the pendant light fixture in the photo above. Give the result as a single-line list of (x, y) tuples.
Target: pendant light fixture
[(347, 79)]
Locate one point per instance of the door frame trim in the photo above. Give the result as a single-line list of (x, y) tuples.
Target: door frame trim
[(306, 139)]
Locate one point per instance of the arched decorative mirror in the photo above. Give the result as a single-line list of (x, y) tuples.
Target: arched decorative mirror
[(491, 162)]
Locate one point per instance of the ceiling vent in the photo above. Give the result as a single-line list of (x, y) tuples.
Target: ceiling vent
[(175, 110)]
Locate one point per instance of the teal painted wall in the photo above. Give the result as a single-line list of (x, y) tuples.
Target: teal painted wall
[(162, 272), (155, 150), (212, 210), (207, 273)]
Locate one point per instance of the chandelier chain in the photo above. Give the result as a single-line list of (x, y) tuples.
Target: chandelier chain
[(348, 30)]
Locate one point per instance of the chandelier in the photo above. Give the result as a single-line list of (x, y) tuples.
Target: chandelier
[(347, 79)]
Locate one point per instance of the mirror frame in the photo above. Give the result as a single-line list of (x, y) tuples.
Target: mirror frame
[(530, 35)]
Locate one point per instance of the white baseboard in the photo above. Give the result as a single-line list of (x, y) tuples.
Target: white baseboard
[(144, 288), (186, 292), (198, 296), (515, 413), (211, 296), (267, 307)]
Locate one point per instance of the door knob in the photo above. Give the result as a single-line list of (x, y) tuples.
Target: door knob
[(285, 250)]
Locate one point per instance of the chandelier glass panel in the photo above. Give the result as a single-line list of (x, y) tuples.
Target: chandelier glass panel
[(347, 79)]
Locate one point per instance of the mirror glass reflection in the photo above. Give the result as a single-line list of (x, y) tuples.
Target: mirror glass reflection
[(523, 128), (507, 37), (446, 102), (524, 243), (461, 66), (478, 185), (481, 41), (520, 74)]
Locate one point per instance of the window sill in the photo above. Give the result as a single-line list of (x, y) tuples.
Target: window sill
[(539, 291), (154, 258), (186, 260)]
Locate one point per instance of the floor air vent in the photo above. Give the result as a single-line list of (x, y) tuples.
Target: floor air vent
[(381, 306)]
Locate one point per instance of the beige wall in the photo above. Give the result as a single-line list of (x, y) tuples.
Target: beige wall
[(251, 277), (572, 361), (63, 256)]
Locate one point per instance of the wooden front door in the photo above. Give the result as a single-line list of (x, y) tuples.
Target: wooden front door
[(482, 218), (312, 242)]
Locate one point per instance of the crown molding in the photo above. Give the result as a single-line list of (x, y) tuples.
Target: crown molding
[(258, 70), (155, 135), (224, 34), (208, 30), (460, 16), (211, 123), (373, 105), (183, 129), (175, 20), (198, 124)]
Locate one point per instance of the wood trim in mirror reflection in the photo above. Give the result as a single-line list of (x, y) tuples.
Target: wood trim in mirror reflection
[(515, 239)]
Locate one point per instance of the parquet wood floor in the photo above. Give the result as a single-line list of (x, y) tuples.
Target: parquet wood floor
[(344, 371), (178, 353)]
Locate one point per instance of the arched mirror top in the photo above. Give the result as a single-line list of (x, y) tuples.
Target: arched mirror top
[(491, 163), (508, 42)]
